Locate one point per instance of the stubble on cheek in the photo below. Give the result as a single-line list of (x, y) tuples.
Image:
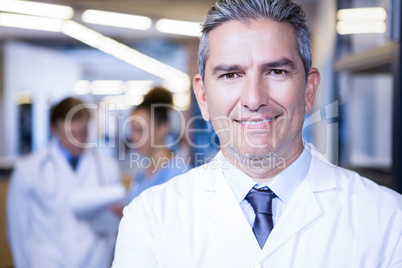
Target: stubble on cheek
[(224, 129)]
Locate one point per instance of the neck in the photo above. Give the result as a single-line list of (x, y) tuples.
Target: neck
[(161, 153), (70, 150), (266, 168)]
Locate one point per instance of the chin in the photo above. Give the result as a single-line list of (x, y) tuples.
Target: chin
[(246, 153), (257, 153), (143, 151), (76, 151)]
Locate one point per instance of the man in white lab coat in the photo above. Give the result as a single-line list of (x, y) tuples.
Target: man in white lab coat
[(52, 220), (267, 199)]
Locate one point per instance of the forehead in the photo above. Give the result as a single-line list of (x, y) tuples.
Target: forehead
[(141, 116), (78, 122), (262, 38), (141, 113)]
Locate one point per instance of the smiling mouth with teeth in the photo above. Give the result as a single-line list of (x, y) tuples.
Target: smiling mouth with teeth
[(256, 122)]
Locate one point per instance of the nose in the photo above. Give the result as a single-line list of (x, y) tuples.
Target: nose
[(254, 94)]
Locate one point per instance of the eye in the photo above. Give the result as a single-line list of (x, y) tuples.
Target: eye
[(278, 72), (229, 75)]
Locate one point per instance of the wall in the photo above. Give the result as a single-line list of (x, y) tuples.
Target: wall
[(325, 110), (45, 76)]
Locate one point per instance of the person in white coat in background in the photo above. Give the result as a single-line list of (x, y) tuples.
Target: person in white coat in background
[(49, 223), (267, 199)]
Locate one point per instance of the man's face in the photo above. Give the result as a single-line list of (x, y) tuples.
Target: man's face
[(72, 136), (255, 86)]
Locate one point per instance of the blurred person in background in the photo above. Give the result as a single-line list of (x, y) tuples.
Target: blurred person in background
[(149, 131), (49, 223)]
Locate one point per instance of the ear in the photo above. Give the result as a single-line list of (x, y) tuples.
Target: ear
[(199, 91), (313, 82), (55, 128)]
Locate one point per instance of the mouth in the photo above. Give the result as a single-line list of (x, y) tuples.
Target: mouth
[(255, 121)]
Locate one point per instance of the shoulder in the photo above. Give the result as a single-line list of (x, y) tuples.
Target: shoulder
[(367, 190), (179, 183), (105, 159), (107, 167), (28, 167), (179, 192), (102, 155), (177, 166), (352, 186), (32, 160)]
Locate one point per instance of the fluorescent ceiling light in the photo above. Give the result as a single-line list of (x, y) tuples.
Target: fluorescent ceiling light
[(370, 13), (37, 9), (179, 27), (116, 19), (138, 87), (106, 87), (82, 33), (31, 22), (133, 100), (352, 27), (121, 102), (127, 54), (182, 100), (175, 86)]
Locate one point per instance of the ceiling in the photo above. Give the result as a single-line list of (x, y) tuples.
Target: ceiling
[(99, 65), (189, 10)]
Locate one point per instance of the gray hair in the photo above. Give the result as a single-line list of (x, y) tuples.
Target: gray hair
[(245, 10)]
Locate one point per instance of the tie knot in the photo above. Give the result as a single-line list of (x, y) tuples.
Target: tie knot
[(260, 200)]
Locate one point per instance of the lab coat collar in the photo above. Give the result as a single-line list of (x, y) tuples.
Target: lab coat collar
[(224, 210), (319, 165), (303, 209), (321, 175), (57, 154)]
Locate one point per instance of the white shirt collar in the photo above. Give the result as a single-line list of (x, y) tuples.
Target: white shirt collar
[(283, 185)]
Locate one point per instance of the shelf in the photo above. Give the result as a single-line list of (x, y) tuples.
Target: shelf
[(379, 59)]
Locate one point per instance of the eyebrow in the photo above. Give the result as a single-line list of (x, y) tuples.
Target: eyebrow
[(284, 62), (226, 68)]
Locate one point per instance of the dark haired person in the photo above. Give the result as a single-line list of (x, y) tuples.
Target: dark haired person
[(268, 199), (149, 129), (149, 137), (44, 227)]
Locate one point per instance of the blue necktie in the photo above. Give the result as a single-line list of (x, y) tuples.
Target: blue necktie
[(261, 201), (74, 162)]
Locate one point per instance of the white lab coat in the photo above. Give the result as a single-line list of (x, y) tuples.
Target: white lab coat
[(43, 229), (335, 219)]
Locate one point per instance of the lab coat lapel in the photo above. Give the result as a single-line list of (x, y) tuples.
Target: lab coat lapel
[(224, 211), (62, 162), (88, 171), (85, 162), (303, 209)]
